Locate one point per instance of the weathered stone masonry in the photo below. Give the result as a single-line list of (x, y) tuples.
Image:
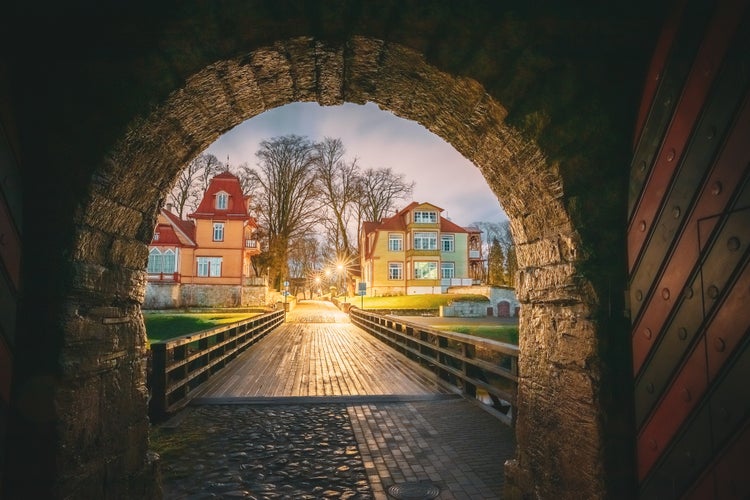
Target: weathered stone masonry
[(125, 114)]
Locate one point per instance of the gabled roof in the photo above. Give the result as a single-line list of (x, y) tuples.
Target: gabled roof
[(236, 204), (177, 231), (451, 227), (397, 222)]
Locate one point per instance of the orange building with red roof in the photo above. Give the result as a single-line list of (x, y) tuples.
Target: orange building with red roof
[(418, 251), (206, 261)]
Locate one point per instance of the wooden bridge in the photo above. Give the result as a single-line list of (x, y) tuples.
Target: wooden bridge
[(317, 353), (411, 430)]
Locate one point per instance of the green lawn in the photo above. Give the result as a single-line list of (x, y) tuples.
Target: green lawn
[(162, 326), (502, 333)]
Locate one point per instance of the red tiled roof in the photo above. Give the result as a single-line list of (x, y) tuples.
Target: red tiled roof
[(236, 205), (451, 227), (397, 223), (183, 230)]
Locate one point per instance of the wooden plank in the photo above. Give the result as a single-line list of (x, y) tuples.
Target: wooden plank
[(303, 358)]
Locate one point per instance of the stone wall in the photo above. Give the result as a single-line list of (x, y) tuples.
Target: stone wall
[(537, 99), (464, 309), (162, 296), (496, 294), (254, 295)]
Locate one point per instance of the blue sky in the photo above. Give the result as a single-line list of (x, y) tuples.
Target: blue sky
[(378, 139)]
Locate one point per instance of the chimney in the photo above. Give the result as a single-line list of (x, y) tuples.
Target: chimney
[(168, 206)]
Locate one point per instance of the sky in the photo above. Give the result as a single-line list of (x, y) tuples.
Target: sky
[(378, 139)]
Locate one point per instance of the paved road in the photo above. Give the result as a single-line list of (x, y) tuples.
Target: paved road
[(365, 446)]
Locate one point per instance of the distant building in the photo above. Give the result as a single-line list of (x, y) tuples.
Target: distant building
[(418, 251), (206, 261)]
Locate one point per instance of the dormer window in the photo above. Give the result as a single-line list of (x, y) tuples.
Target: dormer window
[(222, 200), (425, 217)]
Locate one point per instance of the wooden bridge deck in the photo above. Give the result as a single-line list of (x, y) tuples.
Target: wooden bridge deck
[(317, 353)]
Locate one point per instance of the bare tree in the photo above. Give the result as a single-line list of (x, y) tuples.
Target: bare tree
[(339, 182), (499, 233), (189, 187), (305, 259), (285, 196), (379, 190)]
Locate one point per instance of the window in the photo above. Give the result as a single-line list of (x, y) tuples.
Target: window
[(221, 201), (423, 217), (395, 242), (209, 266), (447, 270), (425, 270), (447, 243), (395, 270), (159, 262), (425, 241), (169, 261), (218, 231), (156, 236), (154, 261)]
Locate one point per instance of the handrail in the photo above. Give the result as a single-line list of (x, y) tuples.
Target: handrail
[(181, 364), (478, 368)]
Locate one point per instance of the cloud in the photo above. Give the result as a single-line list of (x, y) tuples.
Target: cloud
[(379, 139)]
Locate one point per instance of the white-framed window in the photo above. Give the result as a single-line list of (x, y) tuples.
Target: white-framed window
[(209, 266), (161, 262), (156, 236), (425, 217), (447, 270), (425, 241), (155, 261), (218, 231), (395, 242), (222, 200), (425, 270), (447, 242), (395, 270), (169, 259)]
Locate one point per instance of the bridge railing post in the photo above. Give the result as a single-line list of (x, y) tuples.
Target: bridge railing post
[(158, 384)]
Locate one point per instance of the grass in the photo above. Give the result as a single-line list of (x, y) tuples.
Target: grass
[(163, 326), (426, 301), (501, 333)]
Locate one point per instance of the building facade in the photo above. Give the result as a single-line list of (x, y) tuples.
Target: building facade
[(206, 261), (417, 251)]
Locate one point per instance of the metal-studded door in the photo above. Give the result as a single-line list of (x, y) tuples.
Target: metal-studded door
[(688, 255)]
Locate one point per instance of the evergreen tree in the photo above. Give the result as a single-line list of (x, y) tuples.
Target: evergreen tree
[(496, 264)]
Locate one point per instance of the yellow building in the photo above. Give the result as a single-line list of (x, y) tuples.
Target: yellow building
[(417, 251), (206, 261)]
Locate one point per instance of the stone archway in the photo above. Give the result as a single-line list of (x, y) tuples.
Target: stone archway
[(559, 386), (109, 120)]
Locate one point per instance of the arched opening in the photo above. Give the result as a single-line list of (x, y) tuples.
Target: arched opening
[(229, 92), (118, 190)]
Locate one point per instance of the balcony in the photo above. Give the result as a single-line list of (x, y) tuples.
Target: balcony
[(446, 282), (251, 244), (164, 278), (254, 281), (475, 254)]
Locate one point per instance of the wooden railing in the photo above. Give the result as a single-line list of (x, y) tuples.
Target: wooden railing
[(181, 364), (484, 369)]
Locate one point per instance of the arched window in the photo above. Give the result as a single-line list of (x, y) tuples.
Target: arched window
[(155, 262), (169, 261), (222, 201)]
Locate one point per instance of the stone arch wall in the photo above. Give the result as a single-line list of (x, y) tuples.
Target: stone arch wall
[(457, 109), (142, 117)]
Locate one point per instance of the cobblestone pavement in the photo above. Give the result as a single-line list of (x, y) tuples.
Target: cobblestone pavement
[(331, 450)]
